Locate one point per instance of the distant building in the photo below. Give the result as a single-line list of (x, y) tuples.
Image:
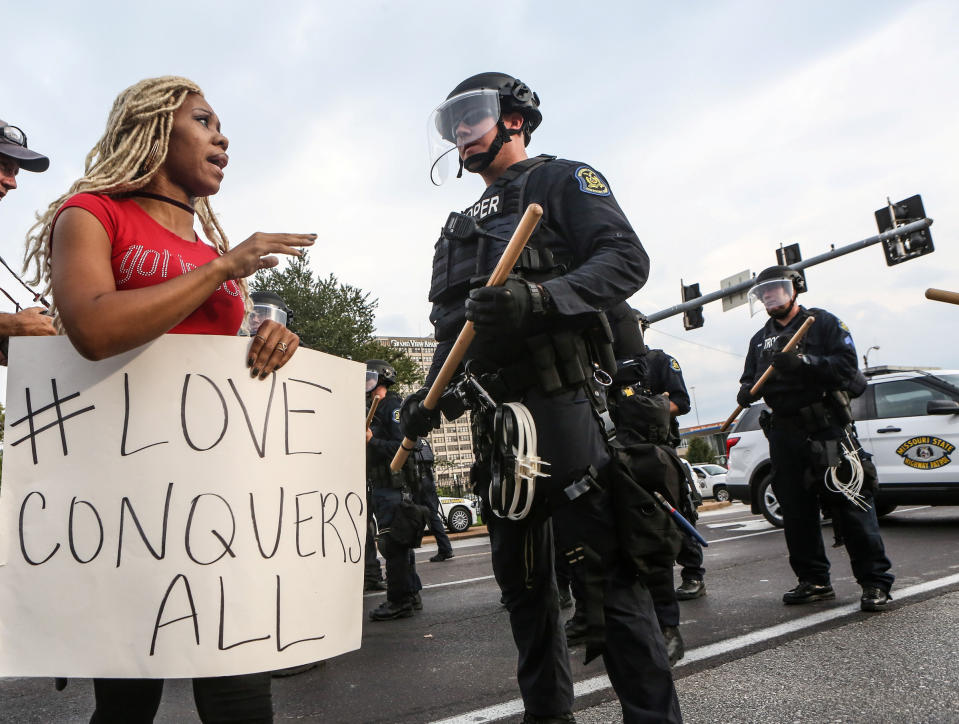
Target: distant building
[(709, 431), (451, 443)]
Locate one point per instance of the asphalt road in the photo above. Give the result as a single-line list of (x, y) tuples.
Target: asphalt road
[(455, 661)]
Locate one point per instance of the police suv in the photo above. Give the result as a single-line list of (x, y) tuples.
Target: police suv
[(458, 513), (908, 418)]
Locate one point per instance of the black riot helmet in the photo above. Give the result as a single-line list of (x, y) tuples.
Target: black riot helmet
[(379, 372), (775, 289), (268, 305), (478, 104)]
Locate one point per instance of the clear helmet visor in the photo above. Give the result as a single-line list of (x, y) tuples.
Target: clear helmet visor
[(263, 312), (456, 123), (770, 295), (372, 376)]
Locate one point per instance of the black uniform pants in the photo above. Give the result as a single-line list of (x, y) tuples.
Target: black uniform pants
[(402, 581), (690, 557), (522, 556), (795, 481), (427, 496), (371, 566), (221, 699)]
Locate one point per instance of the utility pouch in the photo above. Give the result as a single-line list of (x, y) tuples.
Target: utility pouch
[(824, 453), (765, 421), (409, 522), (646, 532), (571, 357), (544, 360), (600, 337), (638, 414), (817, 417), (841, 407)]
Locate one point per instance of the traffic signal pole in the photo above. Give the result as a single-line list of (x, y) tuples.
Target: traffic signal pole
[(905, 230)]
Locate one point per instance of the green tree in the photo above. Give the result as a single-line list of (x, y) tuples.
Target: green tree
[(331, 316), (700, 451)]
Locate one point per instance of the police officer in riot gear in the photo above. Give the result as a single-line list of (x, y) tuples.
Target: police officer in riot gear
[(541, 339), (647, 395), (387, 489), (817, 461), (426, 495), (268, 305)]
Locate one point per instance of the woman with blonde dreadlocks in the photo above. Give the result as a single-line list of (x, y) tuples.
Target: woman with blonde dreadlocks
[(124, 265)]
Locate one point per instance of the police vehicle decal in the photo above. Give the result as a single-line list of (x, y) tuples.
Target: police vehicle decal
[(396, 415), (591, 182), (925, 452)]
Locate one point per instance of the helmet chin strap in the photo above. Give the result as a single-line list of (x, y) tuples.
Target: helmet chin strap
[(479, 162)]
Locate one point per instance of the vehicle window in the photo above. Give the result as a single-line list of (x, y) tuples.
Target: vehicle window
[(714, 469), (902, 398), (749, 420), (860, 406)]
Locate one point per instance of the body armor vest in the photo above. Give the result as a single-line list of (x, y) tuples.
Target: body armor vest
[(459, 265)]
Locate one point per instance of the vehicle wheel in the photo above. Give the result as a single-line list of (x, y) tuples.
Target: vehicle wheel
[(768, 504), (458, 520), (884, 509), (722, 495)]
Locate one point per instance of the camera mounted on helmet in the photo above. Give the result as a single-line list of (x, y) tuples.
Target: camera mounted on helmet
[(775, 291), (268, 305), (471, 110)]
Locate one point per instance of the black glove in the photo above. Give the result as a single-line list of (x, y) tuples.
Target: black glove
[(788, 362), (415, 420), (507, 308), (744, 398)]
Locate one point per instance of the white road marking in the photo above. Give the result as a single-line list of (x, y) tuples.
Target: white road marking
[(598, 683)]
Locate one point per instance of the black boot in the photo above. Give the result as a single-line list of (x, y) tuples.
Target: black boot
[(807, 592), (388, 610), (675, 649)]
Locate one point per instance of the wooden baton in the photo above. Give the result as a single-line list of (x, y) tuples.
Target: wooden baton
[(369, 415), (941, 295), (503, 267), (790, 346)]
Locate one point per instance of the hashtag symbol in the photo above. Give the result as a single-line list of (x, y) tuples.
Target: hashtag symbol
[(61, 418)]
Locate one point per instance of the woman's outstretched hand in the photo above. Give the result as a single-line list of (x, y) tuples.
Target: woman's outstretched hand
[(258, 251)]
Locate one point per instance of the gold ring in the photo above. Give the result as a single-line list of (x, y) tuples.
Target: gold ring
[(281, 346), (256, 336)]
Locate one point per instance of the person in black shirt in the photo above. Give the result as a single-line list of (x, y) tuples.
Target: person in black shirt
[(812, 443), (387, 489)]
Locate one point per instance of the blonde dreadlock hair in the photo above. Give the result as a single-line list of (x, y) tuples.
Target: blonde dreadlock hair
[(131, 151)]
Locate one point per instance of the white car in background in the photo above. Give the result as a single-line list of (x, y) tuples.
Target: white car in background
[(459, 514), (712, 481), (908, 419)]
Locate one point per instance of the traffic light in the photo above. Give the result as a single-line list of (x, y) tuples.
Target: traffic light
[(693, 318), (899, 249), (789, 255)]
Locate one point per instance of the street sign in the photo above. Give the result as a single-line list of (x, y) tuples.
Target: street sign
[(739, 298)]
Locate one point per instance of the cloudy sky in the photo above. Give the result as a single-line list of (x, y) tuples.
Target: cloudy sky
[(723, 128)]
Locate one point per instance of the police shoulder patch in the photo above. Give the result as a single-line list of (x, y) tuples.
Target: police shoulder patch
[(674, 364), (842, 325), (591, 182), (396, 415)]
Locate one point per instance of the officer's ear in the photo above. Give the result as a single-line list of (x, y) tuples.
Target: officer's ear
[(513, 121)]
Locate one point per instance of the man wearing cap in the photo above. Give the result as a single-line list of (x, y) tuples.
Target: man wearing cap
[(15, 155)]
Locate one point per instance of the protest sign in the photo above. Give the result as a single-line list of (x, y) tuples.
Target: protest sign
[(164, 515)]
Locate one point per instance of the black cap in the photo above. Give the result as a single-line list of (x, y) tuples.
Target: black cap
[(27, 159)]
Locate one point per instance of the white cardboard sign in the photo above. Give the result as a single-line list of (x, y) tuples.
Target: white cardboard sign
[(164, 515)]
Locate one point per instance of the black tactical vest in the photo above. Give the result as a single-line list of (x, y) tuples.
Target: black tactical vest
[(459, 265)]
